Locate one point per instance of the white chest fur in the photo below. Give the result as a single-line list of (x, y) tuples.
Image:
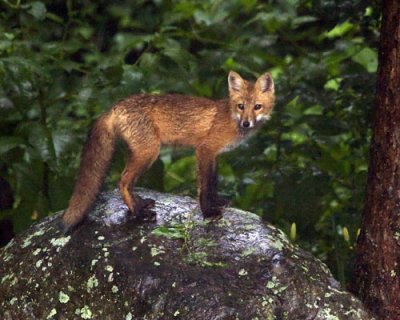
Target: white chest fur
[(235, 143), (232, 145)]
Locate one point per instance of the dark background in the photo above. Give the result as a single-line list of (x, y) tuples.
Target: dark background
[(62, 63)]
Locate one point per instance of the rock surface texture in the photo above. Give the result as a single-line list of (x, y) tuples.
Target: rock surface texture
[(179, 267)]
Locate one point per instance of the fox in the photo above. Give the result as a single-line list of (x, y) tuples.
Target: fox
[(145, 122)]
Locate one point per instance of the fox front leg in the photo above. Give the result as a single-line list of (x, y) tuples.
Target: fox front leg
[(207, 183)]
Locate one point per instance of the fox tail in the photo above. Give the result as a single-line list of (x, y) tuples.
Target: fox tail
[(96, 156)]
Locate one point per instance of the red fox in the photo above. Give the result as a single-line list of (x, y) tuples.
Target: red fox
[(145, 122)]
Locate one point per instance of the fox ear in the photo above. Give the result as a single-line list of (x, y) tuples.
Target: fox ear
[(235, 81), (265, 83)]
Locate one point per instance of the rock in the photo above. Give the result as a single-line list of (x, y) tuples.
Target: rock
[(179, 267)]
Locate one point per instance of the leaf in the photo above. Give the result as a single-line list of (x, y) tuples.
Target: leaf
[(302, 20), (9, 143), (176, 232), (38, 10), (41, 139), (339, 30), (179, 56), (84, 95), (333, 84), (180, 173), (368, 58), (293, 231), (5, 103), (62, 139), (54, 17), (208, 17), (69, 66), (149, 61), (185, 8), (132, 77)]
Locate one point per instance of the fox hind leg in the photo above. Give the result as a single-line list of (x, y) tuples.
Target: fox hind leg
[(140, 159)]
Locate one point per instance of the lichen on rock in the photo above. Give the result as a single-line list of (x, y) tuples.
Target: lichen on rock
[(179, 267)]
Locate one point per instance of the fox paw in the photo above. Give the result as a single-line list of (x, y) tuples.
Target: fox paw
[(222, 202), (147, 203), (143, 210), (214, 213), (146, 215)]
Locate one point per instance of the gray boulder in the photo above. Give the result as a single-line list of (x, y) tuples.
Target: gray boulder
[(179, 267)]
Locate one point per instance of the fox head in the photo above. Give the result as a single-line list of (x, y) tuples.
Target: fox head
[(251, 103)]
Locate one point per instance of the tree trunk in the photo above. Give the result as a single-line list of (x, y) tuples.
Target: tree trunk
[(377, 269)]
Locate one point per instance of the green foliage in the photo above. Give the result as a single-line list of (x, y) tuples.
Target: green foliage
[(62, 63), (193, 249)]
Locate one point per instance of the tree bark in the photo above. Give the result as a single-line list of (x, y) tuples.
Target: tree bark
[(377, 267)]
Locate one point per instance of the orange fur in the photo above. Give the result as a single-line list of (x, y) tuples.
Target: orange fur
[(145, 122)]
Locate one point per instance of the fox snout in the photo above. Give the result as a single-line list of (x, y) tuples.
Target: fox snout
[(250, 122), (248, 116), (247, 123)]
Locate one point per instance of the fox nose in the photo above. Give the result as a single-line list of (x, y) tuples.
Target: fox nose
[(245, 124)]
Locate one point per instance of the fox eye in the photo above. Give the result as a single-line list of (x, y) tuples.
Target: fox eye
[(240, 106), (257, 106)]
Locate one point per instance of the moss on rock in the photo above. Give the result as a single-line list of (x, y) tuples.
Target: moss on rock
[(179, 267)]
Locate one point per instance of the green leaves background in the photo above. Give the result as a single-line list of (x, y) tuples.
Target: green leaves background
[(63, 62)]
